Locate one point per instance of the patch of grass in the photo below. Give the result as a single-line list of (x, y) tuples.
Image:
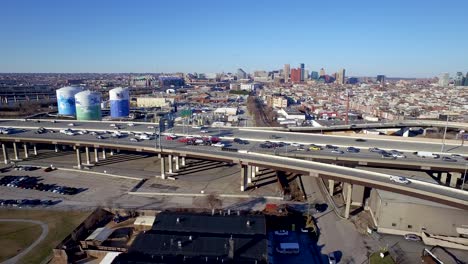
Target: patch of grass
[(16, 236), (60, 223), (375, 259)]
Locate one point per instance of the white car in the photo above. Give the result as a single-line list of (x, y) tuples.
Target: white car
[(71, 124), (130, 124), (70, 133), (151, 127), (134, 139), (99, 137), (400, 179), (398, 155), (295, 144), (112, 125), (219, 145), (281, 233), (196, 127), (93, 133), (204, 131)]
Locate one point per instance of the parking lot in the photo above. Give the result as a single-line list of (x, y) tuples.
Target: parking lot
[(309, 250)]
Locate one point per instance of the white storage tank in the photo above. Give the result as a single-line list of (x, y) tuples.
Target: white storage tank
[(88, 105), (119, 102), (66, 100)]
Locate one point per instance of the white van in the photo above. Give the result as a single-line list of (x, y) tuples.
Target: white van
[(288, 248)]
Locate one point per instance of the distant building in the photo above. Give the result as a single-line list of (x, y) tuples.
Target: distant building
[(165, 81), (466, 80), (295, 75), (153, 101), (301, 67), (314, 75), (251, 87), (459, 79), (444, 79), (340, 76), (322, 72), (381, 79), (279, 102), (306, 75), (353, 80), (241, 74), (141, 81), (286, 71)]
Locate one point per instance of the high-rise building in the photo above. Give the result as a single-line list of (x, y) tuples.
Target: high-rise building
[(466, 80), (381, 79), (286, 71), (296, 75), (241, 74), (314, 75), (444, 79), (340, 76), (459, 79), (301, 67), (306, 75), (322, 72)]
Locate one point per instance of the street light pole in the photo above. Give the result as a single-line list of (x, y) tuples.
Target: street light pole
[(446, 125)]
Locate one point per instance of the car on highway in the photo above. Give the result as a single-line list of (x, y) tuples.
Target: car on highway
[(412, 237), (295, 144), (219, 145), (281, 233), (130, 124), (375, 150), (70, 133), (204, 131), (274, 137), (99, 137), (360, 140), (315, 148), (387, 155), (150, 127), (449, 159), (134, 139), (71, 124), (352, 150), (399, 179), (331, 147), (337, 151)]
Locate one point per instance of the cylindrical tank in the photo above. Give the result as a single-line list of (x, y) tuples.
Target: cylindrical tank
[(119, 102), (88, 105), (66, 99)]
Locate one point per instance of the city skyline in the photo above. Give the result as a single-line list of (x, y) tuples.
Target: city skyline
[(397, 39)]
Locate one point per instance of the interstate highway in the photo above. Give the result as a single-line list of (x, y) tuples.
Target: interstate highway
[(430, 191), (399, 143)]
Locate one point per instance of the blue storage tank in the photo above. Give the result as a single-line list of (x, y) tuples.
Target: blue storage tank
[(66, 100), (119, 102)]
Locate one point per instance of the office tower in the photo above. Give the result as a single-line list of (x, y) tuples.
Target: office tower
[(241, 74), (301, 67), (306, 75), (381, 79), (314, 75), (340, 76), (322, 72), (459, 79), (286, 71), (466, 80), (296, 75), (444, 79)]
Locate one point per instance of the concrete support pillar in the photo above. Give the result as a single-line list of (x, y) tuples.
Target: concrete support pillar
[(35, 150), (170, 164), (454, 179), (96, 155), (104, 154), (88, 158), (112, 152), (254, 172), (5, 154), (177, 163), (406, 131), (443, 178), (331, 187), (15, 151), (349, 193), (249, 175), (78, 158), (257, 170), (243, 173), (183, 162), (56, 148), (424, 132), (26, 150), (163, 168)]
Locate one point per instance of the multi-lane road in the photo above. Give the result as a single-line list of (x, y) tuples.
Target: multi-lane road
[(420, 189)]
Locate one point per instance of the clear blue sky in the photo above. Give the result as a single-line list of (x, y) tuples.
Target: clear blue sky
[(402, 38)]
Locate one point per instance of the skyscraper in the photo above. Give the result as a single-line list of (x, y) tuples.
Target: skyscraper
[(286, 71), (466, 80), (314, 75), (301, 67), (322, 72), (296, 75), (381, 79), (340, 76), (444, 79), (459, 79), (241, 74)]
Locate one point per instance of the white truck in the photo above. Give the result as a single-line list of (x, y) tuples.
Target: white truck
[(426, 154)]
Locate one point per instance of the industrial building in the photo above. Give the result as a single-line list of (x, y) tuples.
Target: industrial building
[(201, 238), (154, 101), (88, 105), (66, 100), (119, 102), (166, 81)]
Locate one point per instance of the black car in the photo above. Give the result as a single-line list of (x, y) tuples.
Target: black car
[(331, 147), (353, 150), (386, 155), (360, 140), (449, 159)]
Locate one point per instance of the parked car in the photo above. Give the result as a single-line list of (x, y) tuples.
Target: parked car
[(412, 237)]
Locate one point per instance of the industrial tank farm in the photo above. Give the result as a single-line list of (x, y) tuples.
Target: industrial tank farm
[(66, 100), (119, 102), (88, 105)]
